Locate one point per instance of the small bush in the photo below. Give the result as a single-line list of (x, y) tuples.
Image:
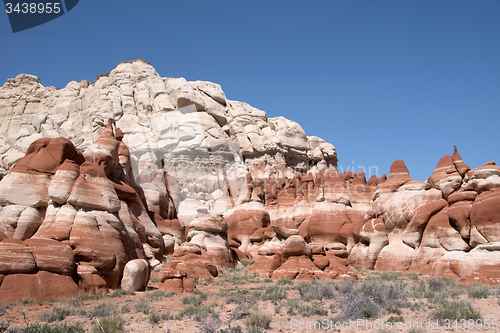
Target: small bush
[(243, 310), (315, 290), (247, 262), (478, 291), (209, 325), (240, 274), (389, 276), (275, 293), (4, 326), (455, 310), (234, 329), (313, 309), (108, 324), (197, 313), (102, 310), (194, 299), (257, 321), (345, 287), (89, 297), (158, 294), (361, 307), (143, 305), (242, 296), (283, 282), (397, 319), (37, 328), (57, 313), (121, 292)]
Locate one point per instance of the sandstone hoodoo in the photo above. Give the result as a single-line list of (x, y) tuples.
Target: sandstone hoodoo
[(102, 181)]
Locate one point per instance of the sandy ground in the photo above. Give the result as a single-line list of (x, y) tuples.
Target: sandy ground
[(166, 307)]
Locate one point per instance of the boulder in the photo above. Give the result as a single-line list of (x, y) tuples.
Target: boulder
[(135, 275)]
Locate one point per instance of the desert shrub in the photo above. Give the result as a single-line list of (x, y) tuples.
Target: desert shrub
[(396, 319), (37, 328), (243, 310), (155, 317), (388, 276), (345, 287), (102, 310), (239, 274), (305, 309), (59, 312), (233, 329), (283, 282), (88, 297), (275, 293), (121, 292), (455, 310), (478, 291), (391, 296), (436, 289), (197, 312), (158, 294), (313, 309), (209, 325), (195, 300), (360, 307), (247, 262), (108, 324), (257, 321), (315, 290), (4, 308), (143, 305)]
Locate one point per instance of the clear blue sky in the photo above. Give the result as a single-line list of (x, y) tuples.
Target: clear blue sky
[(381, 80)]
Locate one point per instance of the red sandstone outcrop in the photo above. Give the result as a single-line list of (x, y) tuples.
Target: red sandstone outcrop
[(212, 181)]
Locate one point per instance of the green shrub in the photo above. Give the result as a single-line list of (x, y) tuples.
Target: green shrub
[(209, 325), (239, 274), (158, 294), (396, 319), (243, 310), (102, 310), (89, 297), (247, 262), (143, 305), (315, 290), (455, 310), (194, 299), (37, 328), (58, 313), (275, 293), (108, 324), (121, 292), (234, 329), (345, 287), (197, 312), (389, 276), (360, 307), (313, 309), (478, 291), (257, 321)]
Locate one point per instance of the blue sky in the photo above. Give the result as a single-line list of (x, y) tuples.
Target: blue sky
[(380, 80)]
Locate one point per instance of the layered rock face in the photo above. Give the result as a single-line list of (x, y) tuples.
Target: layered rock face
[(107, 178)]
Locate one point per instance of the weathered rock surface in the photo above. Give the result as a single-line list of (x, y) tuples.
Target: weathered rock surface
[(112, 176), (135, 275)]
